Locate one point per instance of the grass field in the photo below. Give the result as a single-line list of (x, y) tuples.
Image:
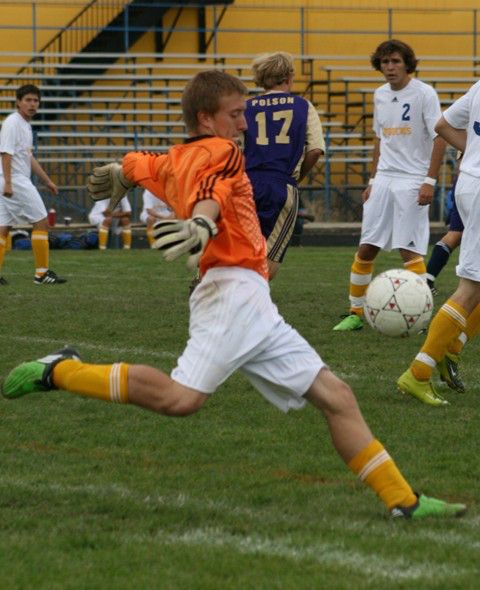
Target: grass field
[(239, 496)]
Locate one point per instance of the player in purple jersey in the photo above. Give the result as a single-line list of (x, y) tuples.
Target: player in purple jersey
[(283, 142)]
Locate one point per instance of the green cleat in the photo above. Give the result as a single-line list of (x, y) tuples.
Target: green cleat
[(449, 374), (350, 322), (35, 375), (426, 507), (422, 390)]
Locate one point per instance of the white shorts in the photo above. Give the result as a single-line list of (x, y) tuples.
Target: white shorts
[(467, 199), (96, 218), (25, 206), (235, 325), (392, 218)]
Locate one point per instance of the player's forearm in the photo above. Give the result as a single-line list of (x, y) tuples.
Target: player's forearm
[(375, 157), (453, 136), (39, 171), (7, 167), (208, 207), (311, 158), (438, 151)]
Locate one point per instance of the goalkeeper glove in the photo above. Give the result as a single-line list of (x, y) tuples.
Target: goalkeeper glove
[(108, 182), (190, 236)]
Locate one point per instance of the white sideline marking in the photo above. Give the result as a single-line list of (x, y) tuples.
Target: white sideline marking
[(90, 346), (332, 554), (329, 554)]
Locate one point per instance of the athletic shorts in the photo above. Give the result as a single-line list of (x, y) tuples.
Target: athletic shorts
[(144, 216), (25, 206), (467, 195), (97, 218), (392, 218), (276, 202), (235, 325)]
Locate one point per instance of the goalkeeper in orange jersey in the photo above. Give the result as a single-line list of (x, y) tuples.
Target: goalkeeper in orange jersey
[(234, 324)]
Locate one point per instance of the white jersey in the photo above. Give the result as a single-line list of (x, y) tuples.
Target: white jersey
[(16, 139), (465, 114), (150, 201), (404, 121)]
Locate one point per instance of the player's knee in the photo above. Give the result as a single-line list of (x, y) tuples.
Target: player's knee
[(345, 400), (185, 404), (331, 395)]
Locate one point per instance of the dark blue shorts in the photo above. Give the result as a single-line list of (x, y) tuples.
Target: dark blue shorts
[(455, 221), (277, 208)]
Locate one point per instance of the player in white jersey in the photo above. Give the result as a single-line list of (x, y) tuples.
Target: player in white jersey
[(117, 221), (19, 199), (458, 320), (406, 159), (153, 210)]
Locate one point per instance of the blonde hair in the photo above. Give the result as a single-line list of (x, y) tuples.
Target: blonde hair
[(272, 69)]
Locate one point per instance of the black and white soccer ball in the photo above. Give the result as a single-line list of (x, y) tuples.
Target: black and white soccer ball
[(398, 303)]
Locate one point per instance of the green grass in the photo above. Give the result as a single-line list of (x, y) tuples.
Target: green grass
[(239, 496)]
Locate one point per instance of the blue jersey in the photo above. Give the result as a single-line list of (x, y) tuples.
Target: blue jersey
[(277, 134)]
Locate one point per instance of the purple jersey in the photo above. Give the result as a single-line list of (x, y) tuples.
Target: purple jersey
[(276, 135)]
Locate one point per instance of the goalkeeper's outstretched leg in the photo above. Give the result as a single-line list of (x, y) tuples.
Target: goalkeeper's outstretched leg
[(234, 325)]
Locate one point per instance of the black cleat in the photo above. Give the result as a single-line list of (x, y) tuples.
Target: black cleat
[(49, 278), (449, 373)]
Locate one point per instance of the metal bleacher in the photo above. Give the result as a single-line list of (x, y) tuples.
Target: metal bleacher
[(103, 110), (87, 119)]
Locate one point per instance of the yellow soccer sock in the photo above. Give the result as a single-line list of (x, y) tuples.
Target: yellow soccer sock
[(471, 330), (106, 382), (150, 237), (360, 277), (3, 244), (446, 326), (40, 251), (456, 345), (416, 265), (8, 245), (376, 469), (127, 239), (102, 237), (473, 323)]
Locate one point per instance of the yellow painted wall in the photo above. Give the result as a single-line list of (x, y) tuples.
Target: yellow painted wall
[(15, 16), (438, 28), (265, 25)]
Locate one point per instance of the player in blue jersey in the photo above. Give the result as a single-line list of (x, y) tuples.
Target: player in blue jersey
[(283, 142)]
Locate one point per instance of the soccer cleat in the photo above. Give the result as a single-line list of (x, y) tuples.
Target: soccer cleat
[(350, 322), (433, 289), (426, 507), (35, 375), (49, 278), (3, 281), (449, 374), (422, 390)]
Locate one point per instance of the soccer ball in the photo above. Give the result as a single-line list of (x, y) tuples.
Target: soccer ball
[(398, 303)]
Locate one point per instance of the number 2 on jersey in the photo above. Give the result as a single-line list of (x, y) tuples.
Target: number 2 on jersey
[(406, 110), (282, 137)]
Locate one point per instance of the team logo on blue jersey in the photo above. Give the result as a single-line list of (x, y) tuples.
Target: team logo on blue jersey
[(476, 127)]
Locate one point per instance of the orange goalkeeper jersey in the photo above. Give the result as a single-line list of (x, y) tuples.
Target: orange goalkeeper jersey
[(207, 168)]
